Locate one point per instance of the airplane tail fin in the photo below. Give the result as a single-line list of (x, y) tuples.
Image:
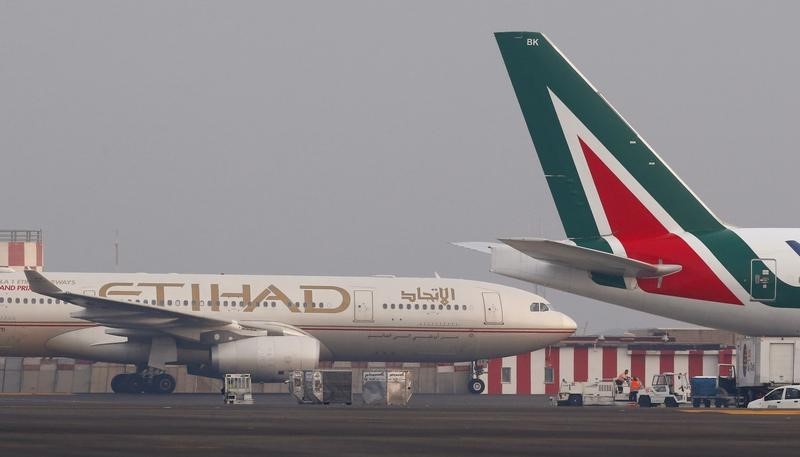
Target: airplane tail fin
[(605, 179)]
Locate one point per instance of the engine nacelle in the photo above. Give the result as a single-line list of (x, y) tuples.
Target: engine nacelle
[(266, 358)]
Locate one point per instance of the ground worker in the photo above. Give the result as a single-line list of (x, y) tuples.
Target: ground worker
[(635, 387), (622, 379)]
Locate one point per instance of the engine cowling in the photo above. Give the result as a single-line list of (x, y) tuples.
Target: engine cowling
[(266, 358)]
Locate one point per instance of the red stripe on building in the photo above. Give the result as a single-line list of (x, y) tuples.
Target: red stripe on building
[(581, 364), (16, 254), (609, 363), (695, 363), (551, 359), (725, 356), (638, 364), (666, 361), (39, 255), (495, 387), (524, 374)]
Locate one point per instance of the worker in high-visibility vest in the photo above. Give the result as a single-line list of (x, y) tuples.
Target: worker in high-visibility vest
[(636, 385)]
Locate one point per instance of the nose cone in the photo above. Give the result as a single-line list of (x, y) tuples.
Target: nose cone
[(567, 323)]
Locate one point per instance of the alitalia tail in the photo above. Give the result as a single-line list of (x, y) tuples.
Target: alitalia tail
[(637, 236)]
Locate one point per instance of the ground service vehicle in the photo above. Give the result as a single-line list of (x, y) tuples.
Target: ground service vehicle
[(592, 393), (668, 389), (764, 363), (785, 397), (718, 390)]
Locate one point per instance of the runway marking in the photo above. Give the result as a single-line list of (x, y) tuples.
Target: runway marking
[(747, 412)]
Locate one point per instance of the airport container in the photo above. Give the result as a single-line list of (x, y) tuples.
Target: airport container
[(322, 386), (386, 387), (704, 386)]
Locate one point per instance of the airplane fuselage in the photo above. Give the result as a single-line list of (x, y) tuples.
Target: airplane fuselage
[(757, 285), (354, 318)]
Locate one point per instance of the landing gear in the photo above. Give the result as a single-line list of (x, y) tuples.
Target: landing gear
[(149, 380), (162, 384), (476, 385)]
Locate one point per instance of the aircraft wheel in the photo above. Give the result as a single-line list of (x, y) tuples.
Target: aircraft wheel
[(133, 384), (119, 383), (476, 386), (163, 384)]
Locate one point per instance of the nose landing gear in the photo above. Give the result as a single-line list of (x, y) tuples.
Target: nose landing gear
[(476, 384), (148, 380)]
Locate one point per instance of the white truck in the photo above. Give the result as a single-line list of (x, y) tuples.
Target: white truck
[(668, 389), (763, 363), (592, 393)]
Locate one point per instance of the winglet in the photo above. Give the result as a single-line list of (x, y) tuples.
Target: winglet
[(40, 284)]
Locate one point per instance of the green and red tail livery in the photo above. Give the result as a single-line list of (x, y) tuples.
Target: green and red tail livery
[(613, 193)]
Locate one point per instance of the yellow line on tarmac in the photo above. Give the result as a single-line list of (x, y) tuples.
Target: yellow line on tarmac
[(747, 412)]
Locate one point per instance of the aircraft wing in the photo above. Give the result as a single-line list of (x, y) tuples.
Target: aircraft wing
[(588, 259), (138, 319)]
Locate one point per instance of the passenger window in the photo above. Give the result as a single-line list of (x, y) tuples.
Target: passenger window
[(448, 307), (416, 306), (776, 394), (792, 393), (25, 301), (440, 307), (425, 307), (456, 307), (408, 306), (392, 305), (385, 306)]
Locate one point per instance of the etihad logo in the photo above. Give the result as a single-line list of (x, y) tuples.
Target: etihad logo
[(315, 298), (442, 294)]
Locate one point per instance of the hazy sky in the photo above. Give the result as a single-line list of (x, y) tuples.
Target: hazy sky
[(358, 138)]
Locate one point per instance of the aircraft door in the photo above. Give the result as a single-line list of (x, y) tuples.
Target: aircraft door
[(492, 308), (363, 305), (762, 279)]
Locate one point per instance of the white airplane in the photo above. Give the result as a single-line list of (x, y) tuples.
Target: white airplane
[(637, 235), (265, 325)]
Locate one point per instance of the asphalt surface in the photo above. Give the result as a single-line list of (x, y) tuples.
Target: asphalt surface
[(463, 425)]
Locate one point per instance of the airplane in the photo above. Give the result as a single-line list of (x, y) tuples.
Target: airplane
[(265, 325), (637, 236)]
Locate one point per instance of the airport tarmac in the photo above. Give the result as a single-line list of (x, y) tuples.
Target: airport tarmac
[(463, 425)]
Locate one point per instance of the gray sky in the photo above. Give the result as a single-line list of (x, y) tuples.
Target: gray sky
[(357, 138)]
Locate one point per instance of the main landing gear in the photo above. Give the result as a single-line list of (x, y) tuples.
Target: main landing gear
[(148, 380), (476, 384)]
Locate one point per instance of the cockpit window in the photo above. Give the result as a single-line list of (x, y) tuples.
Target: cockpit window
[(539, 307)]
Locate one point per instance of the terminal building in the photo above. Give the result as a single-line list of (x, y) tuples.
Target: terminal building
[(20, 249), (579, 358)]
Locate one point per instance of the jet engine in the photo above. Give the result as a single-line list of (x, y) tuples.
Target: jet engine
[(266, 358)]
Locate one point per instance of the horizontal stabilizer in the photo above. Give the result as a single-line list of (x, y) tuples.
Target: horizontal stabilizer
[(480, 246), (588, 259)]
